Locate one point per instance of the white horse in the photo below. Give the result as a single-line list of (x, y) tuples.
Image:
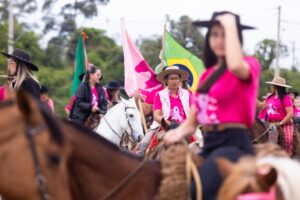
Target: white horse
[(123, 118)]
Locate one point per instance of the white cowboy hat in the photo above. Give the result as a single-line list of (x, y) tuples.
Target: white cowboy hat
[(279, 82), (184, 76)]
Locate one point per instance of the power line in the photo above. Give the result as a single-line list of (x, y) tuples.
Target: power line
[(291, 22)]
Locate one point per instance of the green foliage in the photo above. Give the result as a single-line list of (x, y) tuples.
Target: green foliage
[(21, 7), (102, 51), (68, 13), (266, 52), (59, 84), (189, 36), (150, 49)]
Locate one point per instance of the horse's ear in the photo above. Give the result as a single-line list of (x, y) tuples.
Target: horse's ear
[(28, 107), (266, 176), (225, 166), (123, 94)]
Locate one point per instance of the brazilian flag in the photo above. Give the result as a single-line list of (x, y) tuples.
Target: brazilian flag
[(174, 54)]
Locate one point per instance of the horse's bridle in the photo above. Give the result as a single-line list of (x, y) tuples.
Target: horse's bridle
[(30, 132), (127, 119), (257, 139), (41, 181)]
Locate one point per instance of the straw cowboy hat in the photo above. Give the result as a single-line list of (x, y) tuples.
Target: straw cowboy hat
[(22, 56), (279, 82), (172, 70), (209, 23)]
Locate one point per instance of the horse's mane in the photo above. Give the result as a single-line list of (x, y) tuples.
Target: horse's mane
[(97, 138), (52, 123)]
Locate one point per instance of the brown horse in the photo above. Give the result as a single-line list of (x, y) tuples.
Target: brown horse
[(33, 152), (258, 132), (94, 165), (97, 166)]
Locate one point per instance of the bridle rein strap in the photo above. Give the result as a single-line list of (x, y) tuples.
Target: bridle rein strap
[(41, 181), (131, 129)]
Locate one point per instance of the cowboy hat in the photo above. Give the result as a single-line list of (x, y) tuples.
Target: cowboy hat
[(22, 56), (172, 70), (209, 23), (293, 92), (279, 82), (113, 85)]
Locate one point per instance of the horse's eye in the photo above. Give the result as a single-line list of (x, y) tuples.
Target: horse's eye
[(130, 115), (54, 159)]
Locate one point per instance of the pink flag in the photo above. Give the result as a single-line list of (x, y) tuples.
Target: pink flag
[(138, 74)]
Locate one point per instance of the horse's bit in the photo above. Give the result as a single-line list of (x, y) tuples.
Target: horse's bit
[(41, 181), (127, 119)]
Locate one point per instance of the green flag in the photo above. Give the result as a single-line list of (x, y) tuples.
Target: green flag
[(174, 54), (80, 63)]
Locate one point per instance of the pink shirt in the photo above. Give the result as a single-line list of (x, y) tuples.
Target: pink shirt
[(262, 114), (69, 106), (296, 111), (95, 96), (276, 109), (177, 111), (229, 100)]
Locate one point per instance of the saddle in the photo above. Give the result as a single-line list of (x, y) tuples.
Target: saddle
[(93, 120)]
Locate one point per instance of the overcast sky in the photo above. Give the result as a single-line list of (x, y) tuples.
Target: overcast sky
[(147, 17)]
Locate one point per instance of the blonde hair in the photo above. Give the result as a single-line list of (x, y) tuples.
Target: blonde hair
[(23, 72)]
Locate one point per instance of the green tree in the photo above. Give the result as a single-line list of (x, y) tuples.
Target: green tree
[(188, 35), (150, 49), (265, 52), (68, 14), (102, 51), (21, 8)]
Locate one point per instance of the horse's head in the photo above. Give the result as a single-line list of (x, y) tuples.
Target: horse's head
[(33, 153), (247, 178), (131, 121)]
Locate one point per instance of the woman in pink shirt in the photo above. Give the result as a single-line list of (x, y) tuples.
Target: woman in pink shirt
[(227, 108), (279, 107)]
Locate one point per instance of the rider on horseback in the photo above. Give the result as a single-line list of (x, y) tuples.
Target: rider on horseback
[(280, 110), (225, 101), (171, 105)]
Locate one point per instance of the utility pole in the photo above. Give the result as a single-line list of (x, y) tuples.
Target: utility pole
[(10, 42), (293, 50), (277, 69)]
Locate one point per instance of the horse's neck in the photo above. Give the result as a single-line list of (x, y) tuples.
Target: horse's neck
[(110, 125), (97, 167)]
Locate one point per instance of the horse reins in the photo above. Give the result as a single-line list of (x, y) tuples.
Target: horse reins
[(256, 140), (41, 181), (125, 131), (124, 181)]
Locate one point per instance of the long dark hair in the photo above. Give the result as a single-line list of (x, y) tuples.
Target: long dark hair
[(210, 58), (281, 93)]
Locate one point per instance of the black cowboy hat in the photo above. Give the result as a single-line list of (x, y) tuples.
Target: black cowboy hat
[(113, 85), (22, 56), (44, 89), (293, 92), (209, 23)]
